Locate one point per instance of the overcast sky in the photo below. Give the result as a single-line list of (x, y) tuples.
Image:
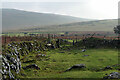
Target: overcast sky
[(92, 9)]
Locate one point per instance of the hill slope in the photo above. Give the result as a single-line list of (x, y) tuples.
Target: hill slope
[(17, 19), (99, 25)]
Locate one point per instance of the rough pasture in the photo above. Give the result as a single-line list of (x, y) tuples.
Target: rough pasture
[(55, 58), (60, 60)]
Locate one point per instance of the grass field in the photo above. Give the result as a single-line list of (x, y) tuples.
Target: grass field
[(58, 60), (102, 33)]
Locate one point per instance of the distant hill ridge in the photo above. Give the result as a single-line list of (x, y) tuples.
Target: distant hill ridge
[(16, 19)]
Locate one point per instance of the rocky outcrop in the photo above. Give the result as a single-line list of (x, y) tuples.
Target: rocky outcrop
[(113, 75), (76, 66)]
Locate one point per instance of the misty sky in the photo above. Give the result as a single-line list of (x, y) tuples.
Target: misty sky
[(92, 9)]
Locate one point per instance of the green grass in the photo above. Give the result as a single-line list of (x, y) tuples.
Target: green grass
[(60, 60)]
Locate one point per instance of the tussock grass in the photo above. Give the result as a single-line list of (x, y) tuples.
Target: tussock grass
[(59, 60)]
